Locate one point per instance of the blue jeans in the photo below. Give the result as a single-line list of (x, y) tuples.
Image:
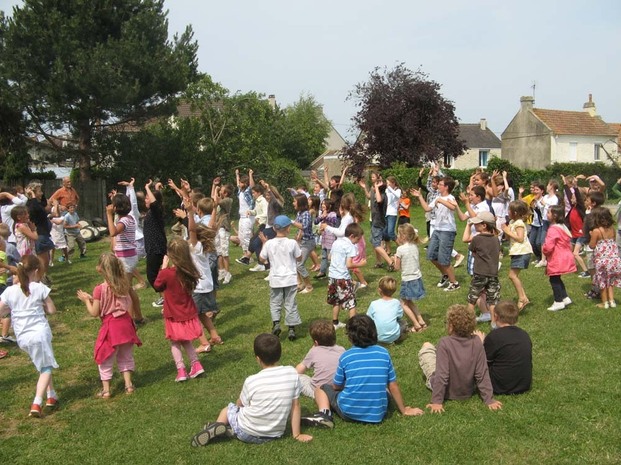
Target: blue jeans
[(389, 230), (535, 237)]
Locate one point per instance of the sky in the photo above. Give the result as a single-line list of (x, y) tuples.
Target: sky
[(484, 54)]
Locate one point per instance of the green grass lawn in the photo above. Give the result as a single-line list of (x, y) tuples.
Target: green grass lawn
[(572, 414)]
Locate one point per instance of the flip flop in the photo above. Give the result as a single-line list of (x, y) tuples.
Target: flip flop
[(103, 394), (415, 330), (203, 349)]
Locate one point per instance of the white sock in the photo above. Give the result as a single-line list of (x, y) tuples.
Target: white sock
[(38, 400), (51, 393)]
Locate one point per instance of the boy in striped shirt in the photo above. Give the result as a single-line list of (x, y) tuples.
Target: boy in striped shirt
[(362, 383), (267, 400)]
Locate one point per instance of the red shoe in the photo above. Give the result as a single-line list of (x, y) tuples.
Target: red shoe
[(51, 402), (182, 375), (197, 369), (35, 411)]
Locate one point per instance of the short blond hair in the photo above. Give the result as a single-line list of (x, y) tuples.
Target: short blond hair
[(387, 286)]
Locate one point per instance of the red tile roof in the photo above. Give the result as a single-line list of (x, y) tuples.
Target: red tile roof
[(578, 123)]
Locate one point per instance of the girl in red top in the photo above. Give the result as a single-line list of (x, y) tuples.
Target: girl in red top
[(180, 314), (111, 302)]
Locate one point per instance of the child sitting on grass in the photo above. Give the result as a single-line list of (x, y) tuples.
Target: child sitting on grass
[(266, 401), (364, 379), (457, 366), (509, 351), (387, 313), (322, 358)]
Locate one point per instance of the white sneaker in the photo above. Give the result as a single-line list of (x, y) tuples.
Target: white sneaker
[(541, 264), (227, 277), (556, 306), (267, 278), (567, 301), (484, 318), (221, 274), (459, 258), (340, 325), (612, 304), (258, 267)]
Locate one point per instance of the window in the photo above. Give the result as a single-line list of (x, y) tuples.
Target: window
[(483, 156), (448, 161), (573, 151), (596, 152)]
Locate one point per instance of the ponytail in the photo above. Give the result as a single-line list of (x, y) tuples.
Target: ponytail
[(27, 265)]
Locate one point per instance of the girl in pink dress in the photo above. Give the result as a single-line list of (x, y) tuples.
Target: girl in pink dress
[(606, 256), (559, 256), (25, 235), (181, 323), (111, 302)]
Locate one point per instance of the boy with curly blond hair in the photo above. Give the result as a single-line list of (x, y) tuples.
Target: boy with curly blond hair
[(458, 365)]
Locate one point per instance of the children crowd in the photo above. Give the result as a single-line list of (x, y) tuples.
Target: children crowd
[(355, 384)]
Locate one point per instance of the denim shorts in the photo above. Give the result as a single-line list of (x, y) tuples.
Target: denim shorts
[(231, 414), (377, 234), (389, 230), (44, 244), (520, 262), (205, 302), (412, 290), (440, 246)]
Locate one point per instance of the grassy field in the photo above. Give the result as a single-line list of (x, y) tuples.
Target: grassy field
[(572, 415)]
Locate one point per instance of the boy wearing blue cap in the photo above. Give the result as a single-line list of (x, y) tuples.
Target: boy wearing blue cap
[(283, 254)]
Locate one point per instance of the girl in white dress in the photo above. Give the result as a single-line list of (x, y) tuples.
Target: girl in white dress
[(28, 301)]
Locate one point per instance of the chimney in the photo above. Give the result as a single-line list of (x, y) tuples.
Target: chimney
[(483, 124), (527, 102), (272, 101), (589, 106)]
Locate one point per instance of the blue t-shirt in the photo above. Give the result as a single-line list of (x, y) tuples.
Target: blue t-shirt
[(386, 315), (71, 219), (365, 375)]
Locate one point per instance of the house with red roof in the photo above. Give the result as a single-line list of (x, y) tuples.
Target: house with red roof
[(536, 137)]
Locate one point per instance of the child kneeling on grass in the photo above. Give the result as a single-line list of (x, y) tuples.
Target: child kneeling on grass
[(322, 358), (266, 401), (509, 351), (363, 381), (458, 364)]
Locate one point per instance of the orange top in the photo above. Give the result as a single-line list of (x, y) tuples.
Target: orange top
[(404, 207)]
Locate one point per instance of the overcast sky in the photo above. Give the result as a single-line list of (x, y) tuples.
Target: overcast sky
[(485, 54)]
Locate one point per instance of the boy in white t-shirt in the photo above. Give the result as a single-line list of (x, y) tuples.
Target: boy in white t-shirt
[(283, 254), (340, 286), (445, 229)]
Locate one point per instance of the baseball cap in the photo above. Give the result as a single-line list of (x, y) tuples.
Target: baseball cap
[(484, 217), (282, 221)]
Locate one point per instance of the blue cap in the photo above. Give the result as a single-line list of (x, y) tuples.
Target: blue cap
[(282, 221)]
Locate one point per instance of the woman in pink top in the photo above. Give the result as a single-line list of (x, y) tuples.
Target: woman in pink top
[(111, 302), (558, 253)]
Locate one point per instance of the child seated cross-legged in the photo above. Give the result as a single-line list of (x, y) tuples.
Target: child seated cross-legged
[(509, 351), (457, 366), (267, 399), (387, 313), (364, 380), (322, 358)]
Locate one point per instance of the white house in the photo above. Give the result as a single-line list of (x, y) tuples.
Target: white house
[(536, 138), (482, 145)]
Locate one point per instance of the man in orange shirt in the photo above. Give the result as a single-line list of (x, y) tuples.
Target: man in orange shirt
[(66, 195)]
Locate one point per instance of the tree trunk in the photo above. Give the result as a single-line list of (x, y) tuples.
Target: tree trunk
[(84, 158)]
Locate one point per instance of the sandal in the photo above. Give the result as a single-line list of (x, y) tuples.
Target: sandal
[(415, 329), (216, 341), (203, 349), (522, 304), (130, 389), (391, 267), (103, 394)]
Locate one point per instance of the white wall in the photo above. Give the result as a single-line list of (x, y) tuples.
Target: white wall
[(561, 149)]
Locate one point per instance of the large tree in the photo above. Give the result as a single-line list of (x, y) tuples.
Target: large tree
[(304, 131), (79, 67), (402, 117)]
